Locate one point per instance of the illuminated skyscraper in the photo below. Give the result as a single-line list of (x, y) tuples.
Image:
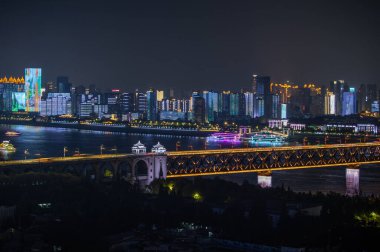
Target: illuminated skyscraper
[(151, 102), (337, 87), (248, 104), (330, 103), (349, 102), (198, 109), (32, 89), (261, 89), (234, 104)]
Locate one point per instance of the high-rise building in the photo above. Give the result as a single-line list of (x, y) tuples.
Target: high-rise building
[(32, 89), (249, 99), (56, 104), (160, 95), (127, 100), (261, 88), (63, 84), (9, 86), (329, 103), (151, 99), (198, 109), (349, 102), (366, 95), (224, 103), (337, 88), (242, 104), (140, 102), (234, 104), (275, 109)]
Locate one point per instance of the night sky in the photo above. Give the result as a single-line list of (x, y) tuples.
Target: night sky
[(191, 44)]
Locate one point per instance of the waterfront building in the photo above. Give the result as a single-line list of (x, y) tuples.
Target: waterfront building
[(100, 110), (329, 103), (140, 102), (366, 95), (249, 98), (234, 104), (172, 116), (198, 109), (261, 87), (349, 102), (224, 103), (56, 104), (127, 101), (85, 109), (32, 89), (9, 89), (112, 99), (211, 103), (275, 109), (337, 88), (151, 98)]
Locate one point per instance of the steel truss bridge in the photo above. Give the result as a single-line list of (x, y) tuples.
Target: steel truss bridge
[(148, 166), (262, 160)]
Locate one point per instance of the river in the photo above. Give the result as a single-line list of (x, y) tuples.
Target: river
[(49, 142)]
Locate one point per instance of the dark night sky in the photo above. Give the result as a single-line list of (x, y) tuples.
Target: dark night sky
[(191, 44)]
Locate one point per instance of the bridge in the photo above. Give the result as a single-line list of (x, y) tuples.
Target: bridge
[(144, 167)]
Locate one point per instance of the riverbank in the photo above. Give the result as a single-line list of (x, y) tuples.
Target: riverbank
[(121, 129)]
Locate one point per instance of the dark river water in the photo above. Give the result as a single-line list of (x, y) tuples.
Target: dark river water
[(49, 142)]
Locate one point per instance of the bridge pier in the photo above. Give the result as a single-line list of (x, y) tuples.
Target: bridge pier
[(264, 179), (352, 180)]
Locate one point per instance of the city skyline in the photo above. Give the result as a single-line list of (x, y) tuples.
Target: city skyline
[(182, 45)]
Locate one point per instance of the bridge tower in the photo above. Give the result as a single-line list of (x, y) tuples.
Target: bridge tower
[(352, 180), (264, 179), (149, 166)]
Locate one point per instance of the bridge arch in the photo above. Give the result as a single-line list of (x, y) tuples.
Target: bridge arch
[(107, 171), (89, 171), (124, 170), (141, 168)]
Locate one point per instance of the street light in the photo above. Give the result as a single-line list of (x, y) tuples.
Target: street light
[(101, 149), (114, 149), (26, 153), (64, 151)]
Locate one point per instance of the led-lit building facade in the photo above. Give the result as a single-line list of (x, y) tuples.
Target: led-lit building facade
[(151, 101), (249, 99), (18, 101), (349, 102), (9, 86), (329, 103), (56, 104), (32, 89), (261, 87)]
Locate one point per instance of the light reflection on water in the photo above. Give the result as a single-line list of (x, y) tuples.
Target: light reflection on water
[(50, 142)]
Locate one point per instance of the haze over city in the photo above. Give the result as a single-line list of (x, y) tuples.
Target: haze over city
[(191, 45)]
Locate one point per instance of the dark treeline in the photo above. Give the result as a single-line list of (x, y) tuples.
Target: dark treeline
[(79, 215)]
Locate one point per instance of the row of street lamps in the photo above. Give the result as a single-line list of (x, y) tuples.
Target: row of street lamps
[(66, 150)]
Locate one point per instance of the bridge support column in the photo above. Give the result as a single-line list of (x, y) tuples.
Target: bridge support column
[(352, 180), (264, 179)]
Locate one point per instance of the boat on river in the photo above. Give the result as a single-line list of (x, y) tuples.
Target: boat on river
[(12, 133), (7, 146)]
